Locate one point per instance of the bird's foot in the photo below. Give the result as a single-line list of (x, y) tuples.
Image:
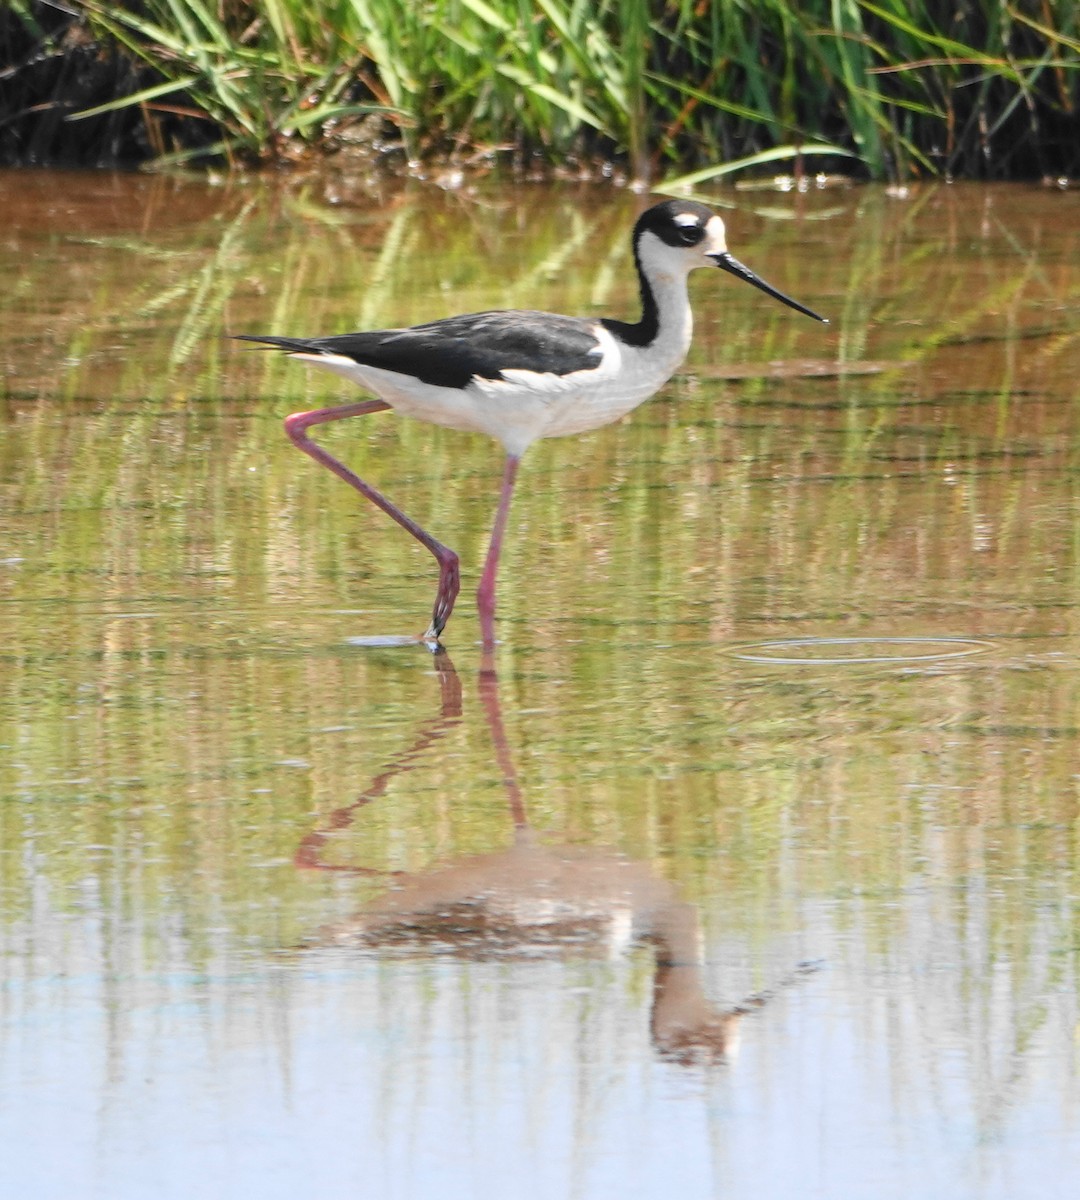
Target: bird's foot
[(449, 586)]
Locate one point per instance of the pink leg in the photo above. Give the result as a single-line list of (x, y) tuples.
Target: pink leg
[(485, 596), (297, 425)]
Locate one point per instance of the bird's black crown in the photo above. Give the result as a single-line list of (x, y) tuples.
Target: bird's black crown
[(676, 222)]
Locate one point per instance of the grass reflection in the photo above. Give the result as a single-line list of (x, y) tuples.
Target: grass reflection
[(177, 699)]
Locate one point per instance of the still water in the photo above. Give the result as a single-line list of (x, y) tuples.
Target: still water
[(746, 866)]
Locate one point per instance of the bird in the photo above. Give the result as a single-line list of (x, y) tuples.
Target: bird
[(522, 375)]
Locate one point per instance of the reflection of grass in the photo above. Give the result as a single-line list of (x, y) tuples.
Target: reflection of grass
[(179, 709), (173, 632), (971, 90)]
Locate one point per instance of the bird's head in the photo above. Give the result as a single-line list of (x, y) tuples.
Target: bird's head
[(680, 235)]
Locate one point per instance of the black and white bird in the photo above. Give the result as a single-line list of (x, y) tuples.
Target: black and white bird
[(520, 375)]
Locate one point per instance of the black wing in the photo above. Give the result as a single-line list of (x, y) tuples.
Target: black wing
[(454, 351)]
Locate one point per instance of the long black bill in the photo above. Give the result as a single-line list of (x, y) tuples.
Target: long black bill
[(727, 262)]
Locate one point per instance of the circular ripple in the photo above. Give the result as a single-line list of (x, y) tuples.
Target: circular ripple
[(858, 650)]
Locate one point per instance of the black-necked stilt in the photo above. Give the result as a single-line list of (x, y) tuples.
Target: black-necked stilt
[(520, 375)]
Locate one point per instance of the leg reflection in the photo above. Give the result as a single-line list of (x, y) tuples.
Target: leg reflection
[(309, 854)]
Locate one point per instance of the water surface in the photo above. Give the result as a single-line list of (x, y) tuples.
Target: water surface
[(280, 911)]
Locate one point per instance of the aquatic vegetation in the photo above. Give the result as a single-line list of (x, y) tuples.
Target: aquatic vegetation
[(980, 90)]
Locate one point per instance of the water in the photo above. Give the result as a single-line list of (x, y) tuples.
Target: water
[(787, 694)]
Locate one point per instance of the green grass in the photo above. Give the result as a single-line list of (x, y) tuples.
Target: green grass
[(981, 89)]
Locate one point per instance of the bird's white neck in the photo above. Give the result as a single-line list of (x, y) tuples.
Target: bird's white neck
[(663, 333), (665, 293)]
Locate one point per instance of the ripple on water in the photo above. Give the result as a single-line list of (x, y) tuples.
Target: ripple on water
[(843, 651)]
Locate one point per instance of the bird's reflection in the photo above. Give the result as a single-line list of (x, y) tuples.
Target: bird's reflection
[(534, 899)]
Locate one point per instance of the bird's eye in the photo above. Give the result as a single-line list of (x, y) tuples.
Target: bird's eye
[(690, 235)]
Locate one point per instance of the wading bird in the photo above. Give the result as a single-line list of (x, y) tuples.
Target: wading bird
[(521, 375)]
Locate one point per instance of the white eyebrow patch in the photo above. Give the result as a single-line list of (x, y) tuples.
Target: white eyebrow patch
[(686, 219)]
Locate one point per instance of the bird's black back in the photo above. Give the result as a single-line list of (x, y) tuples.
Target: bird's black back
[(454, 351)]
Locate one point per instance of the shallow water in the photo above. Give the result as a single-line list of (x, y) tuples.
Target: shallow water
[(787, 695)]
